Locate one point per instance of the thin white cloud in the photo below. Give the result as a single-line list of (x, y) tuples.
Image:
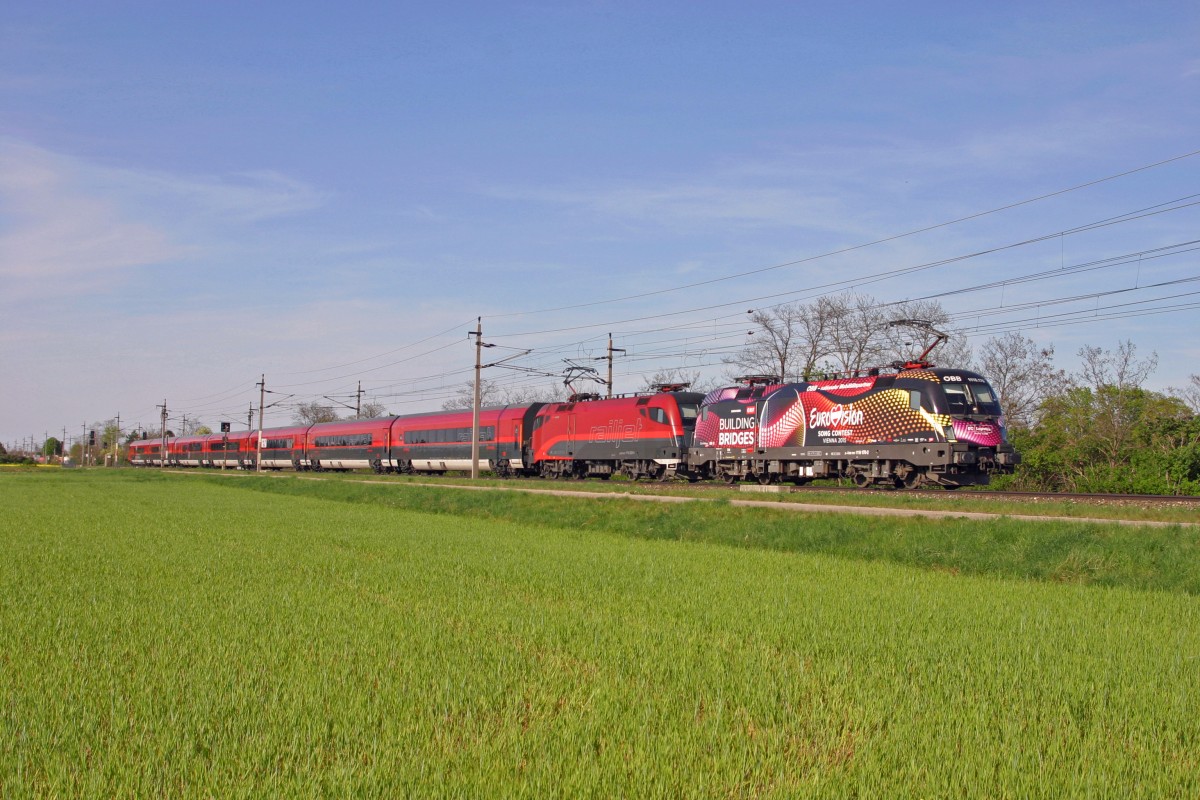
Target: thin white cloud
[(241, 197), (69, 226), (723, 200), (56, 236)]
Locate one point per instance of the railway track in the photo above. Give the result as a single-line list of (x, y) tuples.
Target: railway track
[(1007, 495)]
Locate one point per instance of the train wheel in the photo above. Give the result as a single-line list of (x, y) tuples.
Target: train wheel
[(910, 480), (861, 480), (730, 478), (765, 478)]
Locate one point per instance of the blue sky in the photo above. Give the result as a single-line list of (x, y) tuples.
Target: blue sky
[(195, 194)]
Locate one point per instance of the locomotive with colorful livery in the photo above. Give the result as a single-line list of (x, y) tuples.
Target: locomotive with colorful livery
[(921, 425)]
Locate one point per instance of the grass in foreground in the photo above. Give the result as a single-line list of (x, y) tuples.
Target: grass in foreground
[(1166, 559), (180, 637)]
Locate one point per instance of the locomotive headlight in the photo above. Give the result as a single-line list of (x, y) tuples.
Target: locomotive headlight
[(948, 430)]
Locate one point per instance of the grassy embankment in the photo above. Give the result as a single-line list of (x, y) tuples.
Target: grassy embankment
[(977, 500), (1109, 555), (171, 636)]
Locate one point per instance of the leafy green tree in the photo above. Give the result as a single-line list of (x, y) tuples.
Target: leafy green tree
[(1118, 403), (1106, 433)]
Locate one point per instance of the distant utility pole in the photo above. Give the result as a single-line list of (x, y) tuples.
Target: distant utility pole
[(117, 442), (250, 418), (358, 403), (475, 406), (611, 350), (262, 402), (162, 461)]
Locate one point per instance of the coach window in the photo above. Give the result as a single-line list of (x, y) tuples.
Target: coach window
[(914, 399)]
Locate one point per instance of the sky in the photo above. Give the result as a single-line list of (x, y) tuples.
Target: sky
[(196, 197)]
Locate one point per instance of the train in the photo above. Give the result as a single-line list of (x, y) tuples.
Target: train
[(917, 425)]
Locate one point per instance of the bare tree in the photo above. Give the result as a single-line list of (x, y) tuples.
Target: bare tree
[(692, 377), (846, 334), (772, 351), (521, 395), (856, 333), (1022, 374), (492, 394), (901, 343), (816, 326), (314, 412), (1189, 394), (1121, 370), (464, 395), (373, 410)]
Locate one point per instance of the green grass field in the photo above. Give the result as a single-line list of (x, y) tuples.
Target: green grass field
[(171, 635)]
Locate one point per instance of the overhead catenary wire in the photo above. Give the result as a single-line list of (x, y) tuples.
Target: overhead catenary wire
[(863, 280), (732, 322), (863, 245)]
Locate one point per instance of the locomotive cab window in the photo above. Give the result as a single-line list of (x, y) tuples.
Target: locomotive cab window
[(974, 398)]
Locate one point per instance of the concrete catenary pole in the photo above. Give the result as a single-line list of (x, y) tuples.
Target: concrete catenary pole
[(475, 405)]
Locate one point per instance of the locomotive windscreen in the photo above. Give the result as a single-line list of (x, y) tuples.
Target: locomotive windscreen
[(971, 398)]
